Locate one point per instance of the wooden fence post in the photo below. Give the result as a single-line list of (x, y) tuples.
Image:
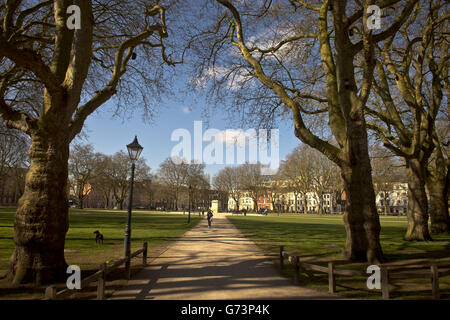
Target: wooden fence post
[(50, 293), (281, 257), (101, 282), (384, 283), (331, 278), (297, 269), (128, 268), (144, 254), (435, 281)]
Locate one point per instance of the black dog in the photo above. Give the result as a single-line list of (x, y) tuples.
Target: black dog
[(98, 237)]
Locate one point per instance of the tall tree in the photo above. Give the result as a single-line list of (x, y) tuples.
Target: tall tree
[(283, 74), (438, 179), (52, 78), (409, 82)]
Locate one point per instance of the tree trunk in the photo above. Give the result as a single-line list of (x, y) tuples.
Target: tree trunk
[(106, 198), (417, 203), (362, 223), (295, 203), (41, 220), (386, 208), (80, 197), (320, 207), (361, 220), (437, 190)]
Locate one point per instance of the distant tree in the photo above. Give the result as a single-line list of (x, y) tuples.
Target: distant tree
[(102, 177), (387, 170), (325, 175), (297, 172), (13, 150), (306, 170), (174, 174), (229, 180), (14, 160), (253, 181), (199, 182), (82, 164), (120, 175), (275, 188)]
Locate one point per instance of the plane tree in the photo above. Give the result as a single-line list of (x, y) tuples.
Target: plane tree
[(297, 60), (53, 75), (409, 84)]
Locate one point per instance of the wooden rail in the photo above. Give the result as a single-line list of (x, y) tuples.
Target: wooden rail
[(51, 292), (387, 273)]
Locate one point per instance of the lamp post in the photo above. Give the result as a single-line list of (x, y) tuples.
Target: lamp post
[(189, 205), (134, 150)]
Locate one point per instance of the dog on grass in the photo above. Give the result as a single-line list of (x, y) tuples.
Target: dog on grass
[(98, 237)]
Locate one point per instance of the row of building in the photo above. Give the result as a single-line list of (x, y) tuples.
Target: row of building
[(389, 202), (393, 200)]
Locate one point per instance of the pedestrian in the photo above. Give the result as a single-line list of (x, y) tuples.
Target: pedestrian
[(209, 216)]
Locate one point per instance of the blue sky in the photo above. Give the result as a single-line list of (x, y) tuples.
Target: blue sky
[(109, 135)]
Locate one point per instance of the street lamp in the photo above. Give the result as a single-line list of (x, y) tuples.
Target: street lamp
[(189, 205), (134, 150)]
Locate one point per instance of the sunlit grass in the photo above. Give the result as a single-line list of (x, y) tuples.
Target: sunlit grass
[(147, 226), (320, 238)]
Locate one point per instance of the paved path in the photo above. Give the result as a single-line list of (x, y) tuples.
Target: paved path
[(216, 263)]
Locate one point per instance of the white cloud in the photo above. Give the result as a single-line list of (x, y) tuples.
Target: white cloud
[(186, 110), (235, 136)]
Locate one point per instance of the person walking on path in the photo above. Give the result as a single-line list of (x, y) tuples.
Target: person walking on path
[(209, 216)]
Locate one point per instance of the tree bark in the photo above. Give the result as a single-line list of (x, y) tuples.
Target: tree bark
[(41, 220), (417, 203), (80, 196), (361, 219), (437, 190)]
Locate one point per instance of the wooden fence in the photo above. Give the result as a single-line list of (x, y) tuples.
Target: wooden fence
[(51, 292), (388, 273)]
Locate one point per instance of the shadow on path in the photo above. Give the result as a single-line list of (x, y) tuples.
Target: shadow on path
[(216, 263)]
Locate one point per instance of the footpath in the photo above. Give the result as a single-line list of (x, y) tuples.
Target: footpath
[(210, 264)]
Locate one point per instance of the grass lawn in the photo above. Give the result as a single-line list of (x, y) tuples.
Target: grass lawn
[(81, 249), (320, 239)]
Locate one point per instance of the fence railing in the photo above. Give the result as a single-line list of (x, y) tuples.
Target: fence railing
[(51, 292), (388, 273)]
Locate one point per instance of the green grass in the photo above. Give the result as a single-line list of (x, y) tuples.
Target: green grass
[(320, 239), (81, 249)]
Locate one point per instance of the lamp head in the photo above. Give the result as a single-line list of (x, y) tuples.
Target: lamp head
[(134, 149)]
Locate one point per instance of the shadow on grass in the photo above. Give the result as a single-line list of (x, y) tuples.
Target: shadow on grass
[(312, 240)]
